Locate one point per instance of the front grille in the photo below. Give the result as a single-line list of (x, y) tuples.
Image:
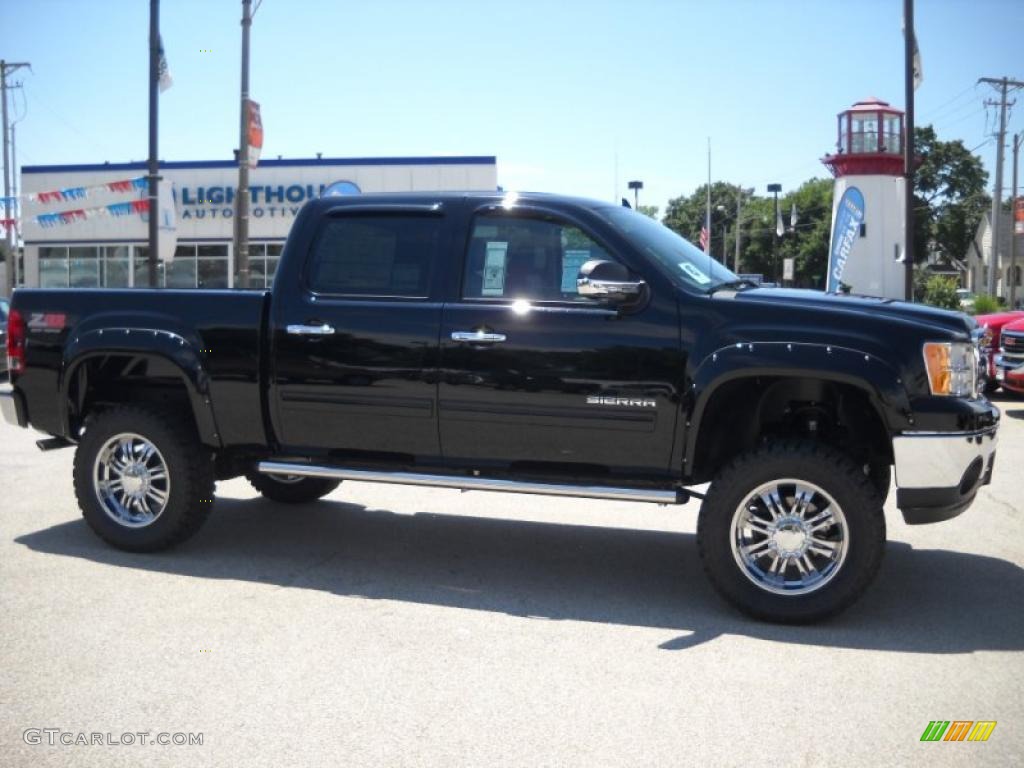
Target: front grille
[(1013, 346)]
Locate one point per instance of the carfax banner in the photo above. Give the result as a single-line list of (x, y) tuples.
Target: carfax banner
[(845, 228)]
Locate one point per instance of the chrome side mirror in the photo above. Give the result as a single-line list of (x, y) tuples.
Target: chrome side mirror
[(600, 279)]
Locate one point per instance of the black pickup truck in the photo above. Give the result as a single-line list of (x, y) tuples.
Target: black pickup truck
[(526, 343)]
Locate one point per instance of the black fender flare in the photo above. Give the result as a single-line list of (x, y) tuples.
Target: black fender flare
[(828, 362), (152, 343)]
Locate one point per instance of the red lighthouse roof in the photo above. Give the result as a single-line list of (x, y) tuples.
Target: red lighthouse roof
[(869, 141)]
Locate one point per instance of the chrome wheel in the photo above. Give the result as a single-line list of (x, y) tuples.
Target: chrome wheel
[(789, 537), (131, 481)]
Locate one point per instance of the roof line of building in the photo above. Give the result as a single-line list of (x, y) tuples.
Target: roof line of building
[(297, 162)]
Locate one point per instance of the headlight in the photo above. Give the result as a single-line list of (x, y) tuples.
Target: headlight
[(952, 368)]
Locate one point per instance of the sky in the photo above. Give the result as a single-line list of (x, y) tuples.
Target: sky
[(571, 97)]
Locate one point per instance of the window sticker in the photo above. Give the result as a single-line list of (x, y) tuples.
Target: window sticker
[(694, 273), (571, 263), (494, 269)]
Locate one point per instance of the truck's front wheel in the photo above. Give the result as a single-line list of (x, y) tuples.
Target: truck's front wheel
[(792, 532), (143, 480)]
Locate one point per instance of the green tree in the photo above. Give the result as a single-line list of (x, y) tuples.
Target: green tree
[(685, 215), (949, 193), (940, 291), (649, 210)]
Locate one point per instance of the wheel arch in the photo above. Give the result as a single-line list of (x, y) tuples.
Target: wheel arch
[(135, 365), (736, 383)]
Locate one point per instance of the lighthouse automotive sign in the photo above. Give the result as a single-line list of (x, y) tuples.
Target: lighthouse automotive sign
[(845, 228)]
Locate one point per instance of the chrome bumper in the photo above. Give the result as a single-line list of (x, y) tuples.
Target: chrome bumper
[(1004, 365), (939, 473), (11, 408)]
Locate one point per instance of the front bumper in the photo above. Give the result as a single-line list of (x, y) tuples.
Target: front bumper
[(938, 474), (1010, 372), (12, 408)]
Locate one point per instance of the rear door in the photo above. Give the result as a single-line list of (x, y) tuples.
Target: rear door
[(354, 349), (536, 377)]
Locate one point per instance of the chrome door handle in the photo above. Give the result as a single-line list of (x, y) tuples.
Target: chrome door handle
[(310, 330), (478, 337)]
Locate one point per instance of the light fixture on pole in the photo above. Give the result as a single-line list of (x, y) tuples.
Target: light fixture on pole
[(636, 186)]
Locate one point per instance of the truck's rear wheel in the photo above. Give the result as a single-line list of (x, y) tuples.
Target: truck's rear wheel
[(143, 480), (792, 532), (291, 489)]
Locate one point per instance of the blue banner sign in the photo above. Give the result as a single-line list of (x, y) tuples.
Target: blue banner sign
[(845, 229)]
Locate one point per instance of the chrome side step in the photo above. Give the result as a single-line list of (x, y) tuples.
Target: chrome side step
[(677, 496)]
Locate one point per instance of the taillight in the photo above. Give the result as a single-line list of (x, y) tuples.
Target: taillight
[(15, 342)]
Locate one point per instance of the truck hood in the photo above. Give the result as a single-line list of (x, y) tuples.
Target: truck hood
[(902, 311)]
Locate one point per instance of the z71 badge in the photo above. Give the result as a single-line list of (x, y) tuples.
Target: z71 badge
[(631, 402)]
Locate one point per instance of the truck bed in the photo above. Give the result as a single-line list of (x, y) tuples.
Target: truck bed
[(222, 330)]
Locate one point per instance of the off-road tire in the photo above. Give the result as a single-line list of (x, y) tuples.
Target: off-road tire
[(189, 467), (301, 491), (831, 470)]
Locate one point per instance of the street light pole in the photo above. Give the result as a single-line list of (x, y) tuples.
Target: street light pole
[(636, 186), (775, 189), (242, 219)]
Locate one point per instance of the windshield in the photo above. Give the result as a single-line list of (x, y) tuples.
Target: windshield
[(3, 309), (688, 264)]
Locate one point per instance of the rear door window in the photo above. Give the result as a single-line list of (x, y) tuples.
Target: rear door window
[(375, 255)]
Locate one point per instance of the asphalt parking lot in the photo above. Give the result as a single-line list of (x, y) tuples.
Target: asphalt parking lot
[(393, 626)]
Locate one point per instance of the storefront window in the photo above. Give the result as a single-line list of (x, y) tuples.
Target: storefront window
[(115, 266), (141, 265), (84, 267), (212, 266), (53, 267), (180, 272), (273, 259)]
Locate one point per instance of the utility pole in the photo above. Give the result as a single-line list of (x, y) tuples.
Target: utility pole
[(5, 67), (909, 44), (242, 219), (1013, 223), (17, 208), (154, 166), (1003, 85)]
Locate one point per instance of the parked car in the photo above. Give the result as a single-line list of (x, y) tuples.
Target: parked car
[(1010, 362), (4, 305), (991, 341), (523, 343), (966, 299)]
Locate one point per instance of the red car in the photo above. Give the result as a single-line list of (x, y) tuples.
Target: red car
[(991, 342), (1010, 362)]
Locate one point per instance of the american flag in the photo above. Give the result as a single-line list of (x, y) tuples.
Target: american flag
[(705, 239)]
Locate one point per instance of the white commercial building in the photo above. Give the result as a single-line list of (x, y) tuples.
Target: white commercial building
[(82, 226)]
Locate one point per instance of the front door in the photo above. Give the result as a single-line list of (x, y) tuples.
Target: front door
[(354, 349), (537, 377)]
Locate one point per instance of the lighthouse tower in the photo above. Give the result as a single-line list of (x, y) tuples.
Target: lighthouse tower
[(867, 247)]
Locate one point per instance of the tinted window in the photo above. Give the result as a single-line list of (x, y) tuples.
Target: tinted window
[(525, 258), (3, 309), (375, 255)]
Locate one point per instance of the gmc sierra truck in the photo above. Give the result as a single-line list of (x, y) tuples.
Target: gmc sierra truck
[(520, 343)]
